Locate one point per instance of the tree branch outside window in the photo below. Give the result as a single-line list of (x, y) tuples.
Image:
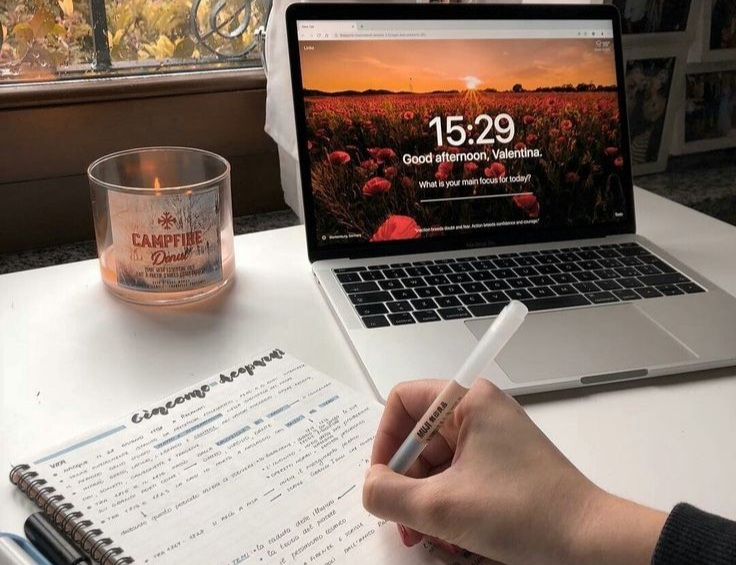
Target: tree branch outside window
[(46, 40)]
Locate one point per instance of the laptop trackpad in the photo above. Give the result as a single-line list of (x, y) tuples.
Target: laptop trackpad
[(589, 341)]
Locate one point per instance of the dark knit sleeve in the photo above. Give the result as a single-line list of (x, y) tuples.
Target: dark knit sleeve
[(693, 537)]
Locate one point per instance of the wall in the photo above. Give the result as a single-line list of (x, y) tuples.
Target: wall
[(44, 194)]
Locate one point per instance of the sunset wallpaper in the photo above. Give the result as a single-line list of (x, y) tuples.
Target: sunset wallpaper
[(432, 65), (427, 138)]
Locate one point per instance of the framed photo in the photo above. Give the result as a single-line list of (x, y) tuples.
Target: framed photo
[(708, 116), (653, 76), (716, 35), (650, 19)]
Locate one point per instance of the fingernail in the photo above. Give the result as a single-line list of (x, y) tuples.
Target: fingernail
[(404, 535)]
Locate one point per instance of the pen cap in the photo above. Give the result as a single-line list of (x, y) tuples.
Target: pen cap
[(50, 542), (492, 342)]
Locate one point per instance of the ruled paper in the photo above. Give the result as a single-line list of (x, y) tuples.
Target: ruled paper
[(263, 463)]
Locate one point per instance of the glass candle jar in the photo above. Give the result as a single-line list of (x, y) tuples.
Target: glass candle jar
[(163, 223)]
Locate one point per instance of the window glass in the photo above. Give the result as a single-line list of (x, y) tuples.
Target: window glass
[(57, 39)]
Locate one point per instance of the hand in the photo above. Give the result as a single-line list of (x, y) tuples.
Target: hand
[(492, 483)]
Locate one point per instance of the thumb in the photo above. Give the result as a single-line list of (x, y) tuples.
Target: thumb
[(399, 498)]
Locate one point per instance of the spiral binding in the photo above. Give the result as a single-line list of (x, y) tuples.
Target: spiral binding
[(68, 520)]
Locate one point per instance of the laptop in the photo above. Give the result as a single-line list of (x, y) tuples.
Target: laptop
[(455, 157)]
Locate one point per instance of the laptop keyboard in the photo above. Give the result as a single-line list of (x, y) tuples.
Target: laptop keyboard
[(449, 289)]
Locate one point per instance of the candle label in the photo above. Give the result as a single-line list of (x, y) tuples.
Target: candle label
[(166, 243)]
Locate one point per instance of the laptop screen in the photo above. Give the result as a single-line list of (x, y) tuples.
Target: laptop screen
[(417, 129)]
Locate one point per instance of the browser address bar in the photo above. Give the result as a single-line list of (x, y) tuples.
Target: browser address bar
[(452, 34), (380, 34)]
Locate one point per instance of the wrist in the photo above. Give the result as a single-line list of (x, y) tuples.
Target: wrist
[(614, 531)]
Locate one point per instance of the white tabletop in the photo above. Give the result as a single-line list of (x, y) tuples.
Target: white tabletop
[(73, 357)]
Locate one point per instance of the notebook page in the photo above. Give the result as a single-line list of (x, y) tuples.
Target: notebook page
[(260, 464)]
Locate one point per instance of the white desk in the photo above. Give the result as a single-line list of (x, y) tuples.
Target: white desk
[(73, 357)]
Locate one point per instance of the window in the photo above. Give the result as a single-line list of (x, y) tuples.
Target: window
[(44, 40), (83, 78)]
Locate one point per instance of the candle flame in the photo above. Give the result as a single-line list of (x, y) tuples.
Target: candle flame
[(156, 183)]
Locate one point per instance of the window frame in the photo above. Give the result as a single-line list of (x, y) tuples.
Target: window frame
[(81, 90)]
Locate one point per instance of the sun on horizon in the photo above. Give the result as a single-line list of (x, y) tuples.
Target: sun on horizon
[(471, 82)]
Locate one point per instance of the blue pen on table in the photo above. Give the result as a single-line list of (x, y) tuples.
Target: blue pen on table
[(497, 335), (15, 550)]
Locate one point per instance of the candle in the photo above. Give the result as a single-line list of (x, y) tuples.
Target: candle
[(163, 223)]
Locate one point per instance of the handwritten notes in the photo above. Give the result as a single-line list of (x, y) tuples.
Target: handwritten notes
[(260, 464)]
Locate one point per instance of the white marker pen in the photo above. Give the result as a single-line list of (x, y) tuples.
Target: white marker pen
[(497, 335)]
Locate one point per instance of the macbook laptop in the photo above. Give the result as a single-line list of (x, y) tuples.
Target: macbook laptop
[(455, 157)]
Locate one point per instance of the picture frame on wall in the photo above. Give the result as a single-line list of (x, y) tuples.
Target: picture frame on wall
[(716, 34), (653, 77), (646, 20), (707, 118)]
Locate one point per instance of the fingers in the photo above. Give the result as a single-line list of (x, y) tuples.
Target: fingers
[(486, 403), (481, 483), (482, 397), (415, 503), (387, 494), (409, 537), (406, 403)]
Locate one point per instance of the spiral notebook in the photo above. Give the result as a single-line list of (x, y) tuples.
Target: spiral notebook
[(263, 463)]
